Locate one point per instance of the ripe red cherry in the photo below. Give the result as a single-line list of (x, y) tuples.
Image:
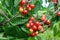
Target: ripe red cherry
[(31, 24), (34, 27), (22, 2), (43, 18), (32, 18), (37, 23), (32, 6), (47, 22), (40, 27), (25, 12), (30, 21), (33, 34), (28, 25), (27, 6), (58, 13), (54, 1)]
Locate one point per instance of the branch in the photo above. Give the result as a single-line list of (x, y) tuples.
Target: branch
[(2, 13)]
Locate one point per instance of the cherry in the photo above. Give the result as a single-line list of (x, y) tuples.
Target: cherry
[(32, 18), (27, 6), (28, 25), (31, 30), (43, 18), (34, 27), (31, 24), (36, 32), (32, 6), (58, 13), (54, 1), (22, 2), (47, 22), (37, 23), (30, 21), (33, 34), (21, 9), (40, 27), (25, 12)]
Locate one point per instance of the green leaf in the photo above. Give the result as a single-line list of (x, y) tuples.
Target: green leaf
[(33, 2), (51, 7), (14, 31), (1, 19), (25, 29), (16, 2), (5, 11), (31, 38), (47, 35), (18, 20), (56, 38), (37, 7), (56, 29), (59, 2), (1, 29)]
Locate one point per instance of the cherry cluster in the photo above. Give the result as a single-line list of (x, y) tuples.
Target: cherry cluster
[(44, 20), (25, 6), (34, 26)]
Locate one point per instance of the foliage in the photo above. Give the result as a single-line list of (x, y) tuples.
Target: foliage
[(12, 23)]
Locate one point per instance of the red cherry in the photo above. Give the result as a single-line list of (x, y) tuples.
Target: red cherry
[(43, 18), (31, 24), (47, 22), (37, 23), (54, 1), (32, 6), (27, 6), (28, 25), (40, 27), (22, 2), (32, 18), (33, 34), (34, 27), (58, 13), (30, 21), (25, 12)]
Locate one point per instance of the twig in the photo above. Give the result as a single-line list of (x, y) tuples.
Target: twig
[(2, 13), (10, 19)]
